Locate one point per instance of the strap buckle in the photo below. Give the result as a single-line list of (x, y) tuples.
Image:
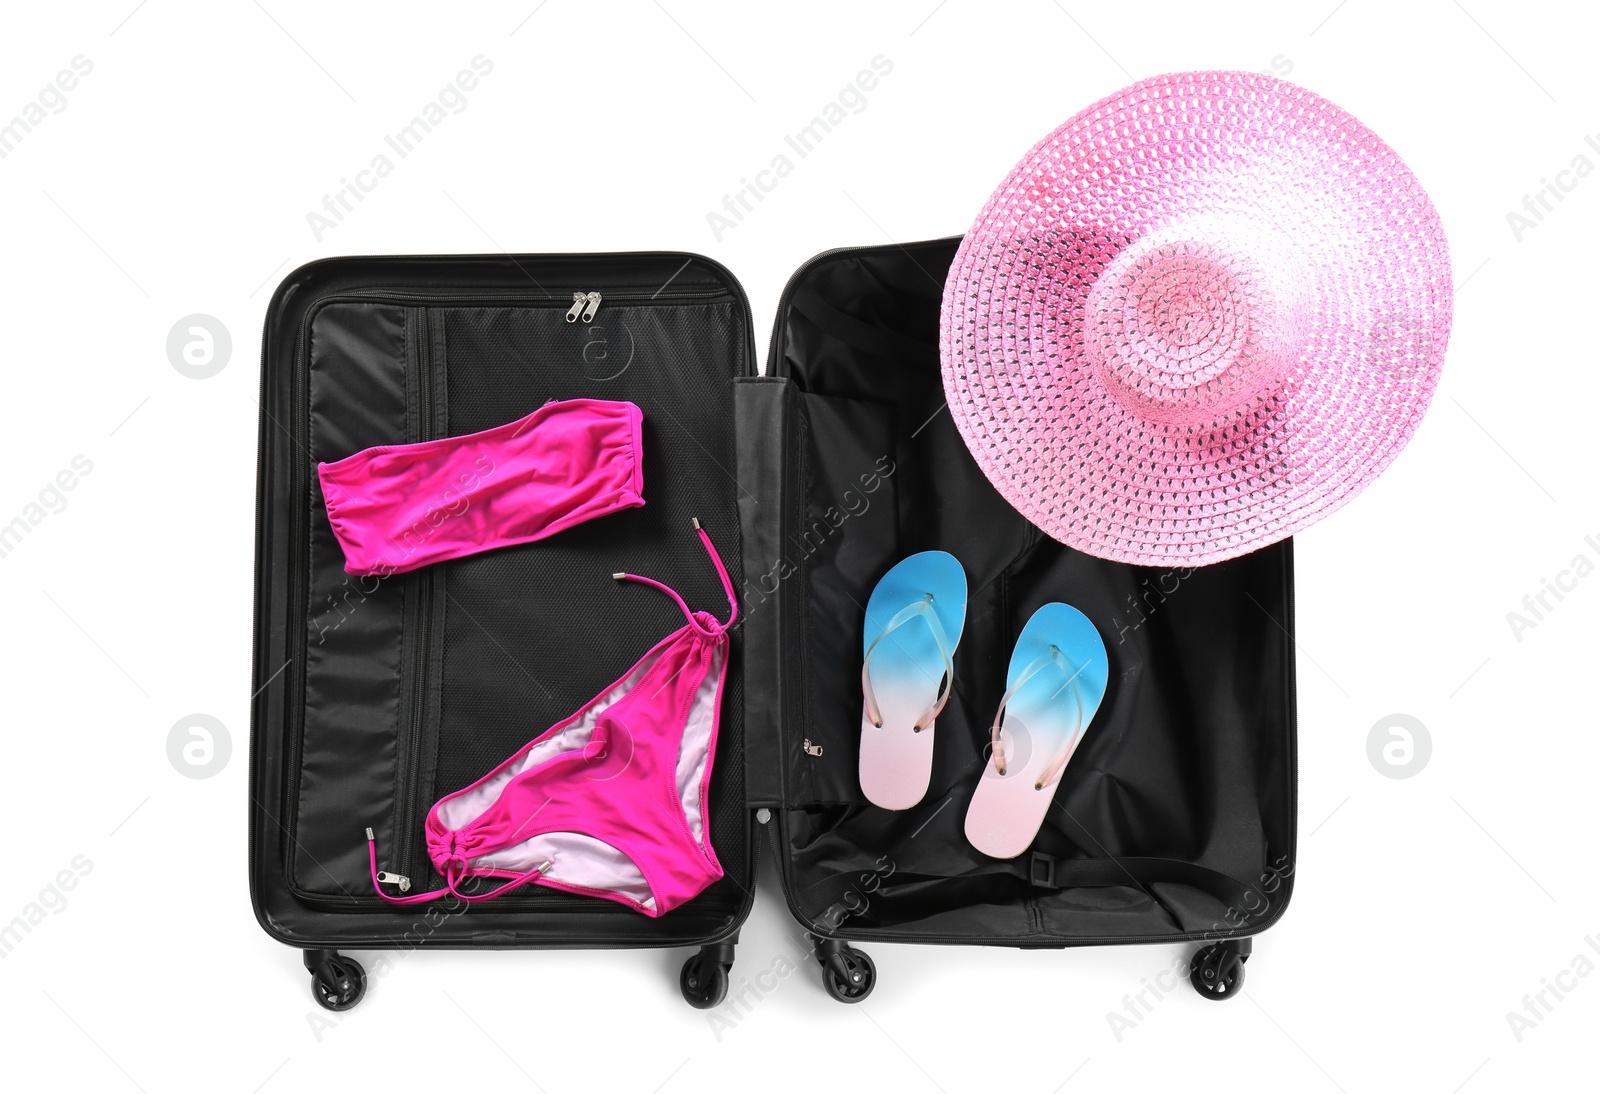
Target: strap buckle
[(1042, 870)]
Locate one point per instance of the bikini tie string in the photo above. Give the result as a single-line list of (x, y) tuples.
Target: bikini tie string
[(453, 865), (704, 623)]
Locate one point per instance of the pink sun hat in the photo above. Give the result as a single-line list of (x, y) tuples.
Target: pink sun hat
[(1195, 319)]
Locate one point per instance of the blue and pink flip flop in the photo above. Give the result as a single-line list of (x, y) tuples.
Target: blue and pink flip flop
[(914, 621), (1054, 685)]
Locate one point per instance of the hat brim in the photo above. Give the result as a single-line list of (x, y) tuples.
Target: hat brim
[(1197, 154)]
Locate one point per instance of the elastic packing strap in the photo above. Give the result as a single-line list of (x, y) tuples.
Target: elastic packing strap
[(1049, 872)]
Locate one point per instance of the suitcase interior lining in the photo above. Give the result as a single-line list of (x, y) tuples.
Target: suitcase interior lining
[(1191, 755), (516, 638)]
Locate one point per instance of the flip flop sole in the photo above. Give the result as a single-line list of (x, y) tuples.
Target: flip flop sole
[(896, 761), (1041, 720)]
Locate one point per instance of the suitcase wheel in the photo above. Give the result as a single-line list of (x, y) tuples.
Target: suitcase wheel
[(704, 979), (1217, 970), (337, 982), (848, 975)]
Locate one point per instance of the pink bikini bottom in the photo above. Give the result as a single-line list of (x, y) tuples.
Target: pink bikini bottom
[(612, 801)]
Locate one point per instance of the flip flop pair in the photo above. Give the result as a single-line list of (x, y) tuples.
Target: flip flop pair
[(1054, 685)]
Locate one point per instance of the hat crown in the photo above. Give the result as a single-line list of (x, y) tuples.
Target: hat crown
[(1190, 325)]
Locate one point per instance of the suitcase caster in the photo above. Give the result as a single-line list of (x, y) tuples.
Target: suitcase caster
[(704, 979), (848, 975), (1217, 970), (337, 982)]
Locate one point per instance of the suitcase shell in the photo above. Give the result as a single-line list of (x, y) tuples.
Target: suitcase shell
[(374, 698)]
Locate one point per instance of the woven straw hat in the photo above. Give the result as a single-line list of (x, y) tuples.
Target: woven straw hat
[(1196, 318)]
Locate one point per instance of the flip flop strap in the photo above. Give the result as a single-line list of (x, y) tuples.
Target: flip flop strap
[(922, 609), (1052, 656)]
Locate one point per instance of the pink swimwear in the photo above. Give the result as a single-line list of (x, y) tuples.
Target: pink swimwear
[(612, 801), (400, 506)]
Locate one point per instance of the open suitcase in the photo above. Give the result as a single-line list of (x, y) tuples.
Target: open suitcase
[(374, 698)]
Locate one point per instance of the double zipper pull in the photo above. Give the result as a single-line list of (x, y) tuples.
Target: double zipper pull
[(584, 305)]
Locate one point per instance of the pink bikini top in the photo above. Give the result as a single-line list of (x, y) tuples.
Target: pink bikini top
[(397, 507)]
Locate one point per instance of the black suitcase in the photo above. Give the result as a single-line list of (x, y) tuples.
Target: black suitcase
[(373, 698)]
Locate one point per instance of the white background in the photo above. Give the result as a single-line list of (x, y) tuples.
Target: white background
[(177, 180)]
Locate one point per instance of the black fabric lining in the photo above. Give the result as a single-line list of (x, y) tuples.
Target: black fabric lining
[(533, 632), (356, 398), (1190, 758)]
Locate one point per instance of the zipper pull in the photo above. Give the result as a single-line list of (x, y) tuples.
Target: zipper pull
[(578, 301), (386, 878), (811, 749), (594, 306)]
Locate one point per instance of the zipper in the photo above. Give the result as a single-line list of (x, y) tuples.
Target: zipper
[(299, 610), (802, 655), (422, 585), (780, 863), (530, 297), (405, 835), (584, 306)]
